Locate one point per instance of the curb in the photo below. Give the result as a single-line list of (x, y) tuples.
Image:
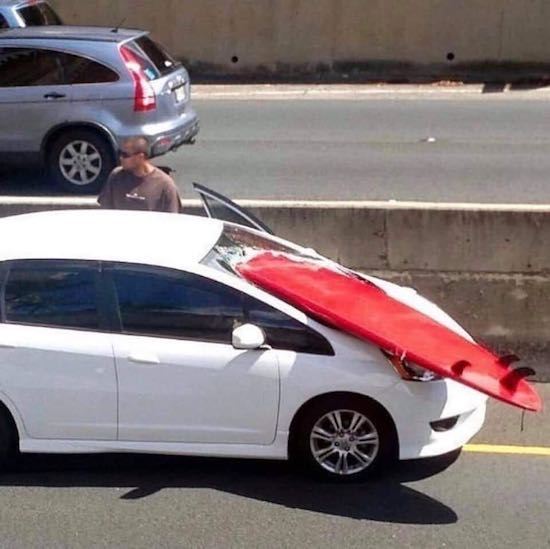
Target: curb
[(69, 202), (361, 91)]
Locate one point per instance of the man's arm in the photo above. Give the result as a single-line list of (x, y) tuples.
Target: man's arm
[(105, 198), (171, 198)]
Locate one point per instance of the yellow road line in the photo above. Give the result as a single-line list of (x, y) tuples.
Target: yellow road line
[(501, 449)]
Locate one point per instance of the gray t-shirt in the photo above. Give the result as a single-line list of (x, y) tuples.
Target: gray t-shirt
[(154, 192)]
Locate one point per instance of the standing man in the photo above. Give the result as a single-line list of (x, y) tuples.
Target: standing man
[(137, 184)]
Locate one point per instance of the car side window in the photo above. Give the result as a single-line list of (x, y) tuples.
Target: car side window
[(24, 67), (174, 304), (283, 332), (80, 70), (51, 293), (39, 14), (3, 22)]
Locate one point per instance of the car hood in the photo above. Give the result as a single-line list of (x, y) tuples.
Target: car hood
[(400, 321)]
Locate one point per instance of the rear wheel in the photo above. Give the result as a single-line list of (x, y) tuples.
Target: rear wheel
[(79, 161), (345, 439), (8, 442)]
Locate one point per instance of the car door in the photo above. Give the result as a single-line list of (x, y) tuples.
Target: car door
[(180, 378), (34, 97), (56, 358), (220, 207)]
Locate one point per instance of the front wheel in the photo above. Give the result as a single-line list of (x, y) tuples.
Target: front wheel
[(79, 161), (344, 439)]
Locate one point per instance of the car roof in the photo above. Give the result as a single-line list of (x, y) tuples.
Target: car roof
[(68, 32), (149, 238)]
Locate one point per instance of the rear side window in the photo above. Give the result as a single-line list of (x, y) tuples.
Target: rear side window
[(154, 54), (80, 70), (24, 67), (173, 304), (49, 293), (39, 14), (3, 22)]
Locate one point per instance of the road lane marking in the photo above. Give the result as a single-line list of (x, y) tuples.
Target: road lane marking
[(503, 449)]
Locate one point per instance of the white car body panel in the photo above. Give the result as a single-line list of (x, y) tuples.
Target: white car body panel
[(190, 391), (62, 384), (187, 397)]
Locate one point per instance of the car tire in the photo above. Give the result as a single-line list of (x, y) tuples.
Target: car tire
[(8, 442), (363, 446), (80, 161)]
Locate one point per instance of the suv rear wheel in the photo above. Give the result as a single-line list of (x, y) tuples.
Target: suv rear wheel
[(79, 161)]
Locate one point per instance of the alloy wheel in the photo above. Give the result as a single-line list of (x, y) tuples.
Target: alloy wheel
[(344, 442), (80, 163)]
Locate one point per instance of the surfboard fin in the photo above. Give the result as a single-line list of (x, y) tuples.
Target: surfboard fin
[(513, 377), (459, 367), (507, 360)]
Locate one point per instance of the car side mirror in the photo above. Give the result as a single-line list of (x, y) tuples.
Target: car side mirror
[(248, 337)]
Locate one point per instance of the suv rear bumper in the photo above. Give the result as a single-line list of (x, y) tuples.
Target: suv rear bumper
[(172, 138)]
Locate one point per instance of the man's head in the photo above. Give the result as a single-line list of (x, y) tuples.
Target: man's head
[(134, 154)]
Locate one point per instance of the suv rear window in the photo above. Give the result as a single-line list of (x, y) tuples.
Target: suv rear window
[(38, 15), (161, 60)]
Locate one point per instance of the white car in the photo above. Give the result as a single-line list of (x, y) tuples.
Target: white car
[(127, 332)]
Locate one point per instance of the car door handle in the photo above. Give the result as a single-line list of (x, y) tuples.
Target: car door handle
[(144, 358), (54, 95)]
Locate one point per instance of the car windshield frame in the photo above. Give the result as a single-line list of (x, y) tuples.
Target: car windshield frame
[(237, 243)]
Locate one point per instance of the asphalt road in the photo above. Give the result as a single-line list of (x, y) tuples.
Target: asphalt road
[(467, 500), (484, 149)]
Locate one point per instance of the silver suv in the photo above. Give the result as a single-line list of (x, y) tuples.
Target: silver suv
[(69, 95), (27, 13)]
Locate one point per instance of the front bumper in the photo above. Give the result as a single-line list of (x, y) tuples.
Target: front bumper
[(416, 406)]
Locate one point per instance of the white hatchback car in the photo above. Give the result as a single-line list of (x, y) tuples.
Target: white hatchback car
[(127, 332)]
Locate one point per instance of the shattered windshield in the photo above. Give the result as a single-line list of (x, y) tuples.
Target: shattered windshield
[(238, 244)]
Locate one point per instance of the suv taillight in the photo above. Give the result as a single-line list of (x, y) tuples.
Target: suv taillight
[(144, 95)]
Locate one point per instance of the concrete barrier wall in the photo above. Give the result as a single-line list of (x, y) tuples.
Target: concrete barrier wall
[(277, 35), (489, 267)]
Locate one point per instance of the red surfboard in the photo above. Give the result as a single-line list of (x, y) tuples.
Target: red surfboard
[(362, 309)]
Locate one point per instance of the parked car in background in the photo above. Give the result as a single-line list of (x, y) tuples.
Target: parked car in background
[(27, 13), (69, 95)]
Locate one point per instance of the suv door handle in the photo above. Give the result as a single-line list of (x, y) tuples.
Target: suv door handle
[(144, 358), (54, 95)]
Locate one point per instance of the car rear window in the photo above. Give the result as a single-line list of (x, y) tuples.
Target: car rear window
[(155, 57), (38, 15)]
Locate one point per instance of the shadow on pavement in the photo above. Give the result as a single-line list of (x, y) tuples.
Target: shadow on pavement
[(385, 499)]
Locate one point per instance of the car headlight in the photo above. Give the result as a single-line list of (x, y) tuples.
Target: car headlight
[(408, 370)]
